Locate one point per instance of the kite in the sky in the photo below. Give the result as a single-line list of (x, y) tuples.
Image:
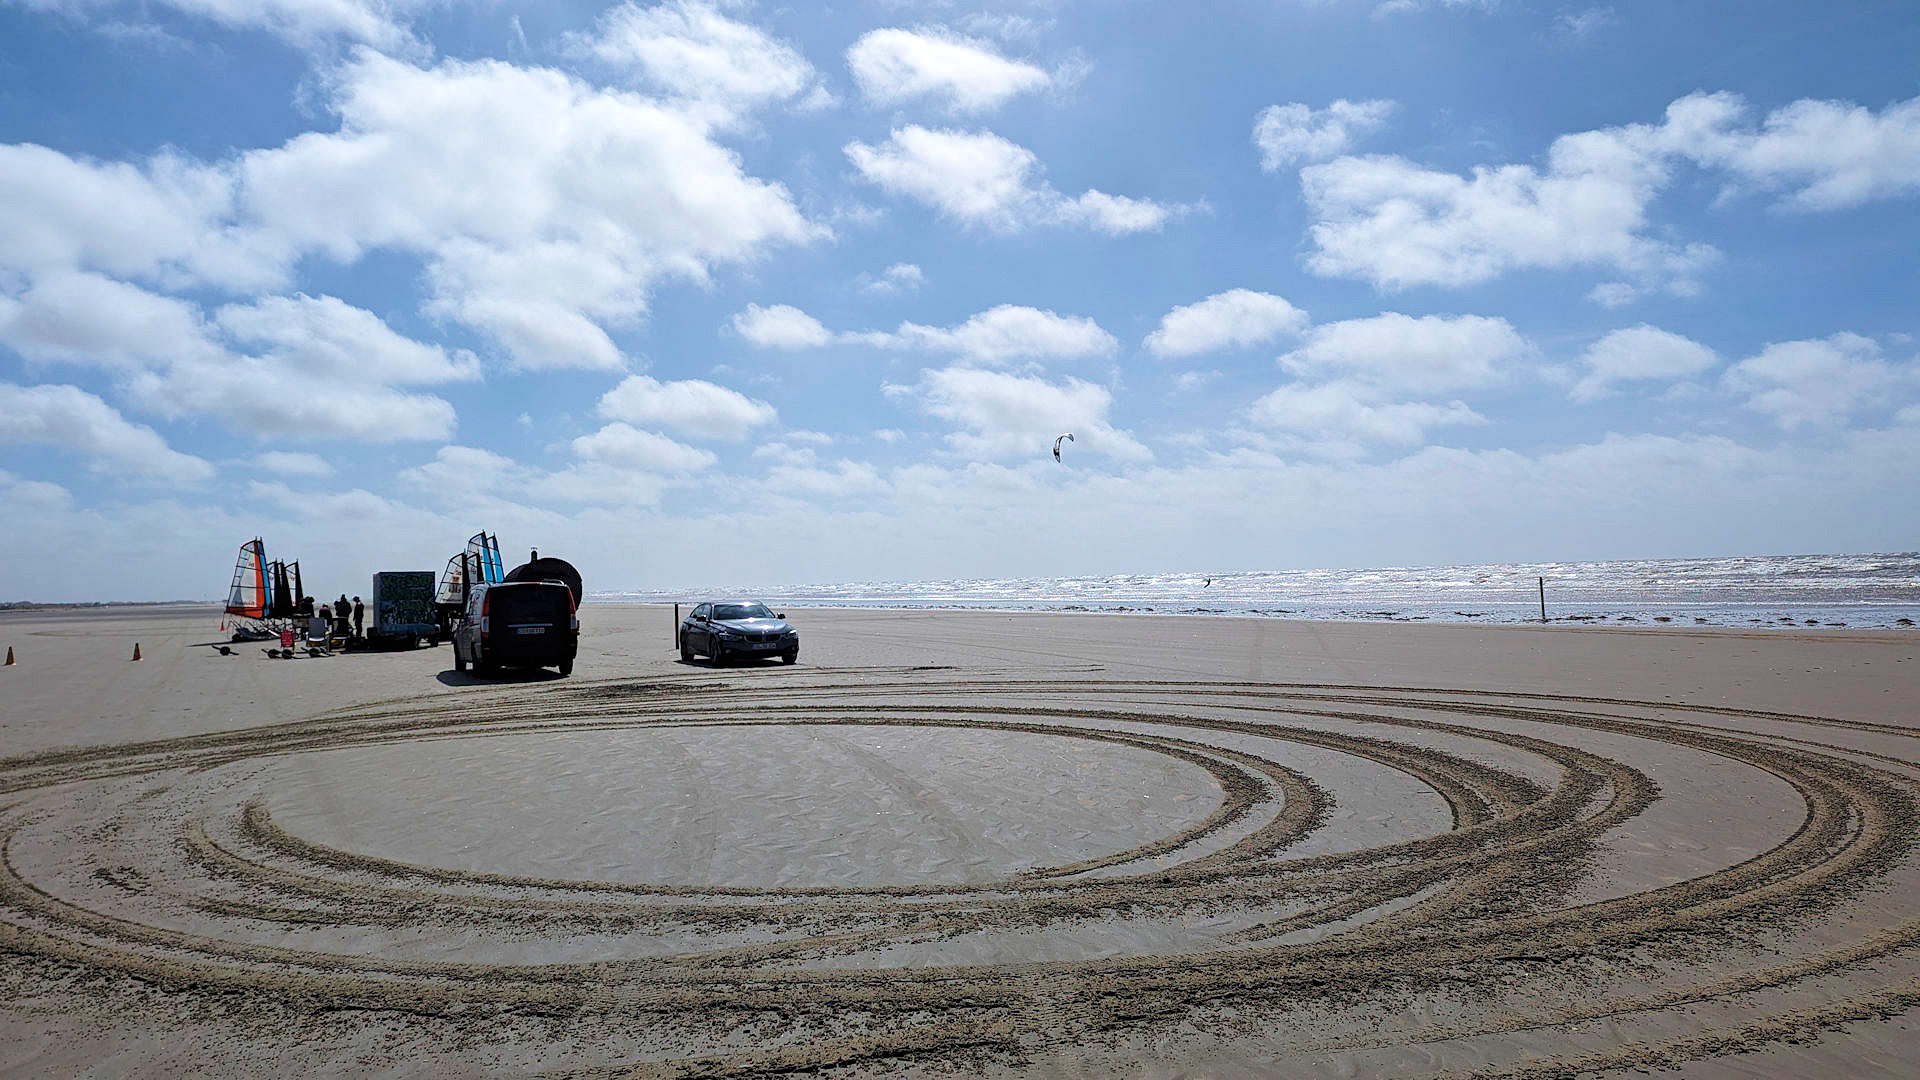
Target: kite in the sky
[(1067, 437)]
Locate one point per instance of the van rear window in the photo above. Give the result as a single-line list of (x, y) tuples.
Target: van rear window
[(531, 605)]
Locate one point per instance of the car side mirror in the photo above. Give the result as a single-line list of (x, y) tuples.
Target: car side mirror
[(781, 615)]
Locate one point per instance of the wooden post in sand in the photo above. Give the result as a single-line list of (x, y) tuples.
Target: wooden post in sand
[(676, 626), (1543, 599)]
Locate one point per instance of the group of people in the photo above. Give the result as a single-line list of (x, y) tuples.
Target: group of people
[(342, 618)]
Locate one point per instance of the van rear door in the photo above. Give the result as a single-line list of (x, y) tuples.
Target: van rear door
[(533, 611)]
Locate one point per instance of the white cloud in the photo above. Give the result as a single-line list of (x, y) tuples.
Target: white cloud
[(272, 400), (169, 220), (627, 447), (328, 336), (1012, 416), (296, 463), (895, 66), (544, 207), (979, 178), (1237, 318), (694, 52), (781, 326), (1584, 24), (72, 419), (1004, 334), (83, 317), (1815, 383), (1640, 353), (1828, 155), (1292, 133), (691, 406), (1432, 353), (307, 23), (893, 281), (1394, 223), (286, 367), (1613, 294), (842, 479), (1342, 419)]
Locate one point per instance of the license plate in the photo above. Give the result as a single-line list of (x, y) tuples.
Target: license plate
[(532, 630), (764, 645)]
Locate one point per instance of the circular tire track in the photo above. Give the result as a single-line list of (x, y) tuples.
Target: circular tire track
[(179, 877)]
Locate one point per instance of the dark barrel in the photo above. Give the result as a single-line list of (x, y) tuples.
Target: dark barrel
[(544, 569)]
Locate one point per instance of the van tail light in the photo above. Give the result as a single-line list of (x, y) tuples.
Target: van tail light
[(573, 613), (486, 602)]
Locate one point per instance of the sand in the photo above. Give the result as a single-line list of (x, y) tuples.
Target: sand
[(965, 843)]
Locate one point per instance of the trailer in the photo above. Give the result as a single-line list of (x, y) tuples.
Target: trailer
[(403, 610)]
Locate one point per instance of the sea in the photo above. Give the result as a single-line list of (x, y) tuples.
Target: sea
[(1878, 591)]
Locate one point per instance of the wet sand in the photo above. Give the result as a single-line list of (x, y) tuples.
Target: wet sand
[(965, 842)]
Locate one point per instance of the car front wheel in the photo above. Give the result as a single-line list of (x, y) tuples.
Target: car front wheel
[(791, 656), (717, 653)]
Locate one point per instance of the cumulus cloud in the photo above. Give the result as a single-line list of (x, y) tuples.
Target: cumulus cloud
[(295, 463), (306, 23), (780, 326), (1815, 383), (1394, 223), (72, 419), (1640, 353), (83, 317), (328, 336), (1432, 353), (894, 66), (626, 446), (693, 52), (998, 336), (1237, 318), (1004, 334), (1012, 416), (1825, 155), (545, 208), (296, 367), (979, 178), (893, 281), (1344, 419), (694, 407), (1292, 133), (168, 219)]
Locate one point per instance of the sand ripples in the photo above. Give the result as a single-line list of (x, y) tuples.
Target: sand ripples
[(1305, 913)]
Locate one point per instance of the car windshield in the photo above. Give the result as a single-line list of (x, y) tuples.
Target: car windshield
[(728, 612)]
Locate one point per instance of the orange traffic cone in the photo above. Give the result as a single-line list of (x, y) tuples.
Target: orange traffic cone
[(9, 662), (136, 650)]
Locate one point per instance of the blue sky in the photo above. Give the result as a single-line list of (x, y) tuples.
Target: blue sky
[(734, 293)]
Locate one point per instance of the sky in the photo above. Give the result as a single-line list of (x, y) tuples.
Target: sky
[(730, 293)]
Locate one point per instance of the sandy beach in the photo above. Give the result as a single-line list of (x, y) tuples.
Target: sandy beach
[(966, 843)]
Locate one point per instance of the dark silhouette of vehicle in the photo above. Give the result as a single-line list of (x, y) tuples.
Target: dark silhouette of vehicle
[(729, 631), (525, 624)]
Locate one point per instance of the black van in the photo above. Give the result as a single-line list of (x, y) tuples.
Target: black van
[(517, 624)]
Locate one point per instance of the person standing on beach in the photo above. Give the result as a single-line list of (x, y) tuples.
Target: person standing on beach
[(342, 612), (359, 618)]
